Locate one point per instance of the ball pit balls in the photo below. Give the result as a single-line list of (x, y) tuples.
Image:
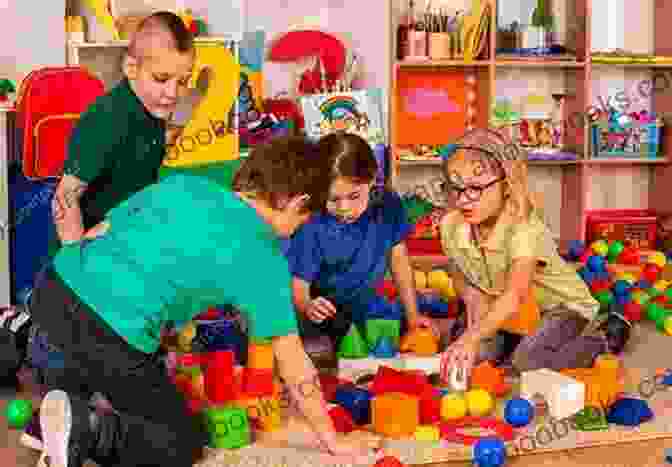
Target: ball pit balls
[(621, 287), (632, 311), (576, 249), (640, 296), (668, 326), (658, 258), (629, 256), (596, 263), (18, 413), (604, 297), (453, 406), (628, 277), (668, 294), (661, 285), (479, 402), (651, 272), (661, 320), (518, 412), (489, 451), (615, 249), (643, 284), (600, 247), (654, 311)]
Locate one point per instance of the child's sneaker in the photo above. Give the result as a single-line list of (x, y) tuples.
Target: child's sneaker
[(32, 435), (66, 430)]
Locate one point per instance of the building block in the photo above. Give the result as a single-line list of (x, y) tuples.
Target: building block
[(353, 345), (329, 384), (377, 328), (353, 368), (427, 433), (218, 376), (357, 401), (260, 356), (258, 382), (430, 410), (384, 348), (421, 342), (395, 414), (603, 386), (228, 426), (492, 379), (427, 365), (343, 422), (388, 379), (564, 396)]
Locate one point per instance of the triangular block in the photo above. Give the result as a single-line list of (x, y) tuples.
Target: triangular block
[(377, 328), (629, 412), (385, 348), (353, 345)]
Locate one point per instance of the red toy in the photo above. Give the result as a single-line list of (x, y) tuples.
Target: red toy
[(329, 384), (651, 272), (285, 109), (219, 375), (632, 311), (257, 383), (430, 410), (343, 422), (389, 461), (408, 382), (451, 431)]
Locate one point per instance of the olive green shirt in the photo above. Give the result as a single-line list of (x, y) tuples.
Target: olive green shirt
[(487, 266)]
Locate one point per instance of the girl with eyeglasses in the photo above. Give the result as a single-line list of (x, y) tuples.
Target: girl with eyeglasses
[(504, 260)]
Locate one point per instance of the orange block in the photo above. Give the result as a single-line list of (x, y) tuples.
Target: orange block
[(490, 378), (395, 414), (260, 356), (526, 321), (421, 342), (602, 386)]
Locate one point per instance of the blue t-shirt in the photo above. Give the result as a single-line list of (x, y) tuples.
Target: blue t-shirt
[(345, 261)]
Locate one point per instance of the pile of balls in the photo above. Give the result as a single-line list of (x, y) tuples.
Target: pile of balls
[(639, 294)]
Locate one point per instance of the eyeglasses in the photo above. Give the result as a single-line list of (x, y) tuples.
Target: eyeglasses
[(473, 192)]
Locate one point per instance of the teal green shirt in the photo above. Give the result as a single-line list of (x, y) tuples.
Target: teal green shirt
[(172, 250)]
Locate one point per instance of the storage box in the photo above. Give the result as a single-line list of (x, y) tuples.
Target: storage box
[(633, 227), (641, 141)]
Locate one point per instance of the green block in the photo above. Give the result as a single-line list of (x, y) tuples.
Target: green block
[(591, 419), (353, 345), (377, 328), (228, 426)]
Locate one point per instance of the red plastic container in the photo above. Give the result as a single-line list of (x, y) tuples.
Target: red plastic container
[(219, 378), (634, 227)]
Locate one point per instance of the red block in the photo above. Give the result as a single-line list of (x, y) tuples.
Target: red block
[(258, 382), (389, 461), (599, 285), (651, 272), (219, 376), (343, 422), (430, 410), (633, 312), (391, 380), (330, 384)]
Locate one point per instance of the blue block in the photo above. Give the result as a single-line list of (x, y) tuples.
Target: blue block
[(357, 401), (629, 412), (667, 380), (576, 249), (621, 288), (384, 348)]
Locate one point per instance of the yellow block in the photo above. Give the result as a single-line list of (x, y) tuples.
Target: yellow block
[(395, 414), (260, 356), (427, 433), (207, 138)]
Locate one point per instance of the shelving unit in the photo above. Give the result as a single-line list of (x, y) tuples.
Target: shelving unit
[(570, 188)]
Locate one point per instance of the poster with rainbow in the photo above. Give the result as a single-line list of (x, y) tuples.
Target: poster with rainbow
[(359, 111)]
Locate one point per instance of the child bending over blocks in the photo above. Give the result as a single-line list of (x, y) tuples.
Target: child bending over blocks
[(520, 295)]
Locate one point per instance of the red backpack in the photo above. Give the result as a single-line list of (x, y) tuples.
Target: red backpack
[(49, 103)]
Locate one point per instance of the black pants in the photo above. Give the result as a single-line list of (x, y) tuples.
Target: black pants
[(153, 426)]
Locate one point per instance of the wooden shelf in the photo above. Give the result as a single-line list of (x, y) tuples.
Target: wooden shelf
[(624, 161), (540, 63), (413, 63), (632, 65)]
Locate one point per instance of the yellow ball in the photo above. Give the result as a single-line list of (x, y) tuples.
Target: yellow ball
[(441, 282), (420, 280), (601, 247), (668, 326), (661, 285), (453, 406), (479, 402), (427, 433), (658, 258)]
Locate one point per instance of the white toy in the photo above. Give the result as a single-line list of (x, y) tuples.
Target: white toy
[(353, 368), (428, 365), (564, 396)]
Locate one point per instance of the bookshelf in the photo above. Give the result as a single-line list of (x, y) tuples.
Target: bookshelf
[(570, 188)]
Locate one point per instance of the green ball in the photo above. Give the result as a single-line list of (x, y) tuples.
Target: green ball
[(605, 297), (18, 413), (668, 293), (615, 249), (654, 311), (660, 321)]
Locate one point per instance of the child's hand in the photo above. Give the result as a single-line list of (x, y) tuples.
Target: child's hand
[(355, 448), (461, 354), (320, 309)]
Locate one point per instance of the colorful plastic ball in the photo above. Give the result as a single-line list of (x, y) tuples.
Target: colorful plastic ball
[(651, 272), (654, 311), (661, 321), (599, 285), (596, 263), (668, 326), (661, 285), (388, 461), (600, 247), (642, 284), (633, 311), (621, 287), (18, 413), (584, 257), (630, 256), (453, 406), (604, 297), (640, 296), (479, 402), (615, 249), (518, 412), (627, 277), (489, 451), (587, 275), (658, 258), (622, 299)]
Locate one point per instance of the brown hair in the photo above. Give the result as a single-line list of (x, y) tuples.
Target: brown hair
[(348, 156), (283, 168), (161, 22)]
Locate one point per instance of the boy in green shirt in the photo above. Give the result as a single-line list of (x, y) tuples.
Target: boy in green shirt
[(165, 254)]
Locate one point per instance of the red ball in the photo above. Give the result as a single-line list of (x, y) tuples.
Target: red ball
[(629, 255), (389, 461), (660, 300), (633, 311), (599, 285), (651, 272)]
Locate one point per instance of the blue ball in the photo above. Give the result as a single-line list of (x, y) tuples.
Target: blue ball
[(518, 412), (489, 451), (621, 288), (596, 263), (643, 284)]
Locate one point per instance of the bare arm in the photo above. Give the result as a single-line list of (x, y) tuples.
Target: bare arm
[(301, 294), (66, 212)]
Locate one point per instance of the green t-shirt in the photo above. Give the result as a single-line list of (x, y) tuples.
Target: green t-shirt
[(116, 148), (174, 249)]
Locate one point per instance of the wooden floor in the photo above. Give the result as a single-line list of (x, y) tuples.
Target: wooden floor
[(649, 350)]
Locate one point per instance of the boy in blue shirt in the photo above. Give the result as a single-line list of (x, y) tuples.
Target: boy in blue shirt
[(340, 255), (164, 255)]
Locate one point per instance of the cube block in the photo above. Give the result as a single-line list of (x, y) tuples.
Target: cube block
[(228, 426), (343, 422), (427, 433), (395, 414), (564, 396), (260, 356), (258, 382), (357, 401)]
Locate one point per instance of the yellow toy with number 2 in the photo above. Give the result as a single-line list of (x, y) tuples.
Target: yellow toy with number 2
[(207, 137)]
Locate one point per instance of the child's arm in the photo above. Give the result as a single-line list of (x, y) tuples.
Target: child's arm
[(317, 309), (403, 276)]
